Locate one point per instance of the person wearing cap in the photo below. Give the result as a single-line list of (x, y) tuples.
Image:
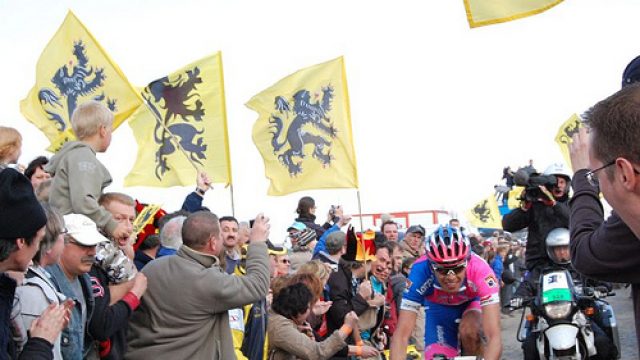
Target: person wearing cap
[(22, 228), (37, 291), (184, 313), (412, 243), (334, 248), (293, 232), (71, 278), (303, 242)]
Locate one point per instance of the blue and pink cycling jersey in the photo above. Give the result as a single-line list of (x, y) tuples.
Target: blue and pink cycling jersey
[(443, 309)]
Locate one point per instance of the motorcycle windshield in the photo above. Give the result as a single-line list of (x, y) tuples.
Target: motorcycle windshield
[(555, 287)]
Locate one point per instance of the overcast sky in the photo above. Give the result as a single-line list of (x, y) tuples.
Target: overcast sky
[(437, 108)]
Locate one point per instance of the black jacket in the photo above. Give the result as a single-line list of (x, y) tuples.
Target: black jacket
[(604, 250), (35, 348), (109, 323), (344, 297), (310, 221), (540, 219)]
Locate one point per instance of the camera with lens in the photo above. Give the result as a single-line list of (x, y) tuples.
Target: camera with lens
[(531, 181), (332, 211)]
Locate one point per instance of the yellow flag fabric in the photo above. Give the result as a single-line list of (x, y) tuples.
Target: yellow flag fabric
[(304, 130), (485, 214), (72, 69), (487, 12), (145, 217), (186, 107), (514, 197), (565, 132)]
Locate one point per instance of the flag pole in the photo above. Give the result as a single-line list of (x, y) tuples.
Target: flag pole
[(364, 250), (156, 115), (360, 210), (233, 207)]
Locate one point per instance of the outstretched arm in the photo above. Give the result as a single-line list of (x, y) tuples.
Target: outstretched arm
[(400, 339), (491, 327)]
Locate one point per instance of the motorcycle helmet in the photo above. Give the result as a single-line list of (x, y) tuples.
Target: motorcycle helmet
[(557, 244), (447, 246)]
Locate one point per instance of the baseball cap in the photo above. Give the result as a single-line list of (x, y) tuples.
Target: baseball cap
[(631, 73), (297, 226), (415, 229), (83, 230)]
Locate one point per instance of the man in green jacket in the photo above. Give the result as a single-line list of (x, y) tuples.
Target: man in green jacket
[(184, 314)]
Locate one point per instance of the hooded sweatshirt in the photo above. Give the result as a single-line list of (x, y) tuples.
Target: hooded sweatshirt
[(78, 181)]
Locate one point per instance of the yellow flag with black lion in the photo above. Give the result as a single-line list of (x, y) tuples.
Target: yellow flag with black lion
[(182, 128)]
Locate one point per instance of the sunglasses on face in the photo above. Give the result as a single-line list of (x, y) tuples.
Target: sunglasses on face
[(446, 271)]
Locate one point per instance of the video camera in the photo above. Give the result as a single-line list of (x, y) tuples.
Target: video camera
[(531, 181)]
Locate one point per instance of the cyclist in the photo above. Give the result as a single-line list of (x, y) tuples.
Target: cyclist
[(461, 296)]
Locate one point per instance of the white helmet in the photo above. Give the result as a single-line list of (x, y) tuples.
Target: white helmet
[(557, 237), (558, 169)]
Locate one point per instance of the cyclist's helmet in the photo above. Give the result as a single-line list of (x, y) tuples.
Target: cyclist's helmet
[(447, 246), (557, 238)]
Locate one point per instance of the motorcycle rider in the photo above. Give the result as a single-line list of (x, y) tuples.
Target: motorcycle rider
[(557, 244), (542, 215), (453, 284)]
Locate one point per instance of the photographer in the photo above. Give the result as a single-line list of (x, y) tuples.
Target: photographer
[(544, 206)]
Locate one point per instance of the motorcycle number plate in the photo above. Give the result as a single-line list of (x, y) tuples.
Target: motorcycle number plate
[(555, 287)]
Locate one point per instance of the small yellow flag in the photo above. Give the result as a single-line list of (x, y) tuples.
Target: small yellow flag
[(485, 214), (304, 130), (74, 68), (565, 132), (144, 217), (183, 125), (487, 12)]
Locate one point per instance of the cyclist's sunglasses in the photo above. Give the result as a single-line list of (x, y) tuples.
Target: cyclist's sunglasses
[(446, 271)]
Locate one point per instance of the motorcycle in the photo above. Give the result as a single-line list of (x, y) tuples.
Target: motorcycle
[(562, 317)]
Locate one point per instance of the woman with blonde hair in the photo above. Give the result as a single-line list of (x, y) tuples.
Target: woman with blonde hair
[(10, 146)]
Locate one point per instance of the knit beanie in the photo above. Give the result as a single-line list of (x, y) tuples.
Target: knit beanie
[(21, 215)]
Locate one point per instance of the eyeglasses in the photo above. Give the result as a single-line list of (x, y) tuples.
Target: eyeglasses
[(285, 261), (446, 271), (592, 178)]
